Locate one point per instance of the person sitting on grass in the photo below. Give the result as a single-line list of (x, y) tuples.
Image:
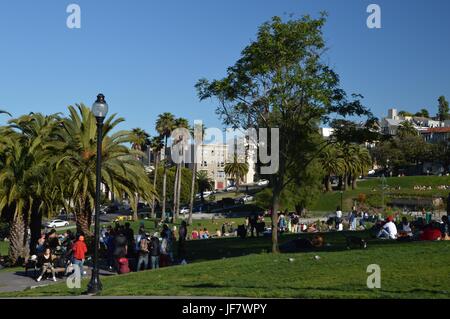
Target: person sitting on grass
[(205, 234), (194, 234), (389, 230), (46, 262), (405, 229), (431, 232)]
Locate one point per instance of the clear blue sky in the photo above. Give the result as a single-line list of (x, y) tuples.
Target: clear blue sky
[(146, 55)]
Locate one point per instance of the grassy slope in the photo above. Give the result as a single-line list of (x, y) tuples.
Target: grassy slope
[(329, 201), (408, 270)]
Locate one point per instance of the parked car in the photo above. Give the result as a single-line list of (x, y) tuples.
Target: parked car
[(55, 223), (205, 194), (244, 199), (263, 182), (231, 189), (184, 210)]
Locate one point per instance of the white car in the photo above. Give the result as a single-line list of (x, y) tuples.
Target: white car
[(184, 210), (55, 223), (231, 189), (263, 182)]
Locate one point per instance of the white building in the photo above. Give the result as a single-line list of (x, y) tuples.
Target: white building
[(212, 159)]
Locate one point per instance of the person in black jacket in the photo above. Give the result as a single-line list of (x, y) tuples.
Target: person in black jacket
[(46, 262), (182, 233), (155, 251)]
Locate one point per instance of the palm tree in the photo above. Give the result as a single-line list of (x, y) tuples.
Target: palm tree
[(140, 141), (179, 123), (204, 183), (194, 166), (24, 176), (156, 145), (362, 162), (164, 126), (236, 170), (121, 172), (407, 129), (332, 164)]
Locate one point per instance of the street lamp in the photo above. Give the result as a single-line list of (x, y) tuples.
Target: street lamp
[(99, 109), (342, 200)]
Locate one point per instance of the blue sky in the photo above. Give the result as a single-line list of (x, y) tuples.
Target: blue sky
[(146, 56)]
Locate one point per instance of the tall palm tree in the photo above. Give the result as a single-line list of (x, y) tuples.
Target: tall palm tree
[(25, 167), (194, 165), (236, 170), (121, 172), (204, 183), (164, 126), (179, 123), (140, 141), (156, 145), (362, 163)]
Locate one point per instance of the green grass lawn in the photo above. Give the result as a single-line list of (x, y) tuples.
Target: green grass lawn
[(408, 270), (4, 248), (329, 201)]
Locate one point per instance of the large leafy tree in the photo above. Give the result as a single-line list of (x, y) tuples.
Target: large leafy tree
[(281, 81), (122, 173), (164, 126)]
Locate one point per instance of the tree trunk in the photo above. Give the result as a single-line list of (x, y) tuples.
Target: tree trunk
[(175, 193), (275, 208), (135, 208), (163, 211), (354, 183), (345, 182), (191, 204), (18, 240), (35, 226), (155, 176), (327, 183), (180, 176)]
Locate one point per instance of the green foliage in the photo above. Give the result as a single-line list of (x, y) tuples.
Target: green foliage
[(443, 109), (185, 192)]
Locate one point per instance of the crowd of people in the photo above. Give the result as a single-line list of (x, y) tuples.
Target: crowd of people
[(418, 229)]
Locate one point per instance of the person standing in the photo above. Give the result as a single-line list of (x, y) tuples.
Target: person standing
[(155, 251), (182, 233), (79, 250), (338, 219), (143, 252)]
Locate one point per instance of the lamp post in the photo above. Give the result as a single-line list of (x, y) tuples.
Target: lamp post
[(99, 109), (342, 200)]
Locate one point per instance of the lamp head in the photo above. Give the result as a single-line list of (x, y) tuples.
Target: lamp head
[(100, 107)]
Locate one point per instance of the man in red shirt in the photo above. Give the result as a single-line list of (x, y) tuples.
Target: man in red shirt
[(79, 250), (431, 232)]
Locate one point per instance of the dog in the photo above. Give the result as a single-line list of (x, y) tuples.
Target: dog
[(353, 240)]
